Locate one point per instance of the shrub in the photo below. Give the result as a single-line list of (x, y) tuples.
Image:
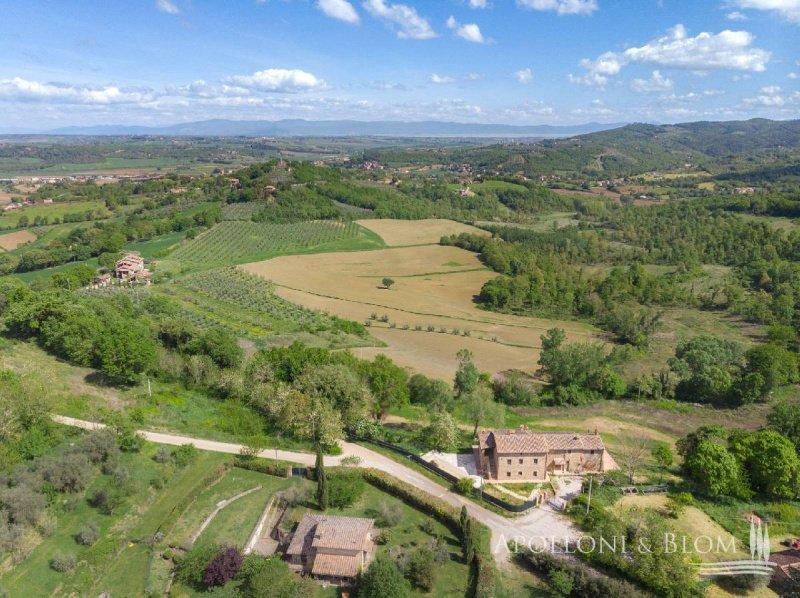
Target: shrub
[(191, 568), (350, 461), (560, 582), (88, 534), (464, 486), (162, 455), (63, 562), (421, 569), (345, 488), (223, 567), (677, 503), (269, 466), (184, 455), (584, 584), (388, 514)]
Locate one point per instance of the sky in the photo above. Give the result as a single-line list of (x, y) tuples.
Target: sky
[(155, 62)]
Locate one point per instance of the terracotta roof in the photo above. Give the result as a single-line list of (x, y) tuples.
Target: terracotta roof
[(336, 565), (302, 538), (329, 532), (529, 441), (342, 533), (786, 558)]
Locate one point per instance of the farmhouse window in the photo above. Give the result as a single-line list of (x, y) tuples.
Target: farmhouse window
[(508, 474), (535, 461), (520, 461), (536, 474), (508, 462), (519, 473)]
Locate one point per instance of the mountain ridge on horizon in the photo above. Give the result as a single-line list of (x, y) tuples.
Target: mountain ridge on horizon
[(331, 128)]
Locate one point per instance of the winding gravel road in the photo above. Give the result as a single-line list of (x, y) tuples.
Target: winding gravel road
[(536, 527)]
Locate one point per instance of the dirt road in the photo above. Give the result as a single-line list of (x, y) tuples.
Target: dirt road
[(536, 527)]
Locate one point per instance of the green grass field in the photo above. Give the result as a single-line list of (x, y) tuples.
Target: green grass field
[(52, 211)]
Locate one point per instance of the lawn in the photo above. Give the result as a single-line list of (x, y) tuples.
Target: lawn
[(234, 524)]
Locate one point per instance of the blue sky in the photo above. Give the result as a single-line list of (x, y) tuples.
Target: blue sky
[(510, 61)]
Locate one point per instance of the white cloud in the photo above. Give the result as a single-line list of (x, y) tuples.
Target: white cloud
[(524, 75), (406, 18), (167, 6), (473, 76), (562, 7), (656, 82), (19, 89), (470, 31), (793, 76), (788, 9), (772, 96), (278, 80), (439, 79), (731, 50), (339, 9), (736, 16), (692, 96), (478, 4)]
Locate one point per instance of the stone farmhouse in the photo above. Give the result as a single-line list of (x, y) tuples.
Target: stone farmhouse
[(332, 548), (131, 267), (522, 455)]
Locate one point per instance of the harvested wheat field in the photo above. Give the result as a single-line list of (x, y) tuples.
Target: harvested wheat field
[(426, 316), (11, 241), (417, 232)]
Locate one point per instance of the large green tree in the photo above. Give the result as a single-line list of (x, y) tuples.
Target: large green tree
[(388, 383), (382, 580)]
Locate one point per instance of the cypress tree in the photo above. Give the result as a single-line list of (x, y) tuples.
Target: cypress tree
[(468, 542), (322, 481)]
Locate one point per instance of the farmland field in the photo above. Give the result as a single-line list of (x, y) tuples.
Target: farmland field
[(56, 210), (417, 232), (240, 211), (234, 242), (11, 241), (434, 288)]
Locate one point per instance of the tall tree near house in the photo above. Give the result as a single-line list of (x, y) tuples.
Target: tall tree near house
[(662, 453), (468, 541), (322, 480), (463, 520), (382, 579), (481, 408), (632, 453), (467, 375), (389, 385), (387, 283)]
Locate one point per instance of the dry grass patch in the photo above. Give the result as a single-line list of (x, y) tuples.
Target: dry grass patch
[(417, 232), (430, 308), (692, 523), (11, 241)]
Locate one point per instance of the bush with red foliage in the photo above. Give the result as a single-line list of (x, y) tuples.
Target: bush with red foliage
[(223, 567)]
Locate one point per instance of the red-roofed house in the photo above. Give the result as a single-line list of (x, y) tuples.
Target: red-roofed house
[(129, 266), (332, 548), (522, 455)]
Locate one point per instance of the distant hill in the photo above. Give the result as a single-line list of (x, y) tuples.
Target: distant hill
[(717, 147), (337, 128)]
